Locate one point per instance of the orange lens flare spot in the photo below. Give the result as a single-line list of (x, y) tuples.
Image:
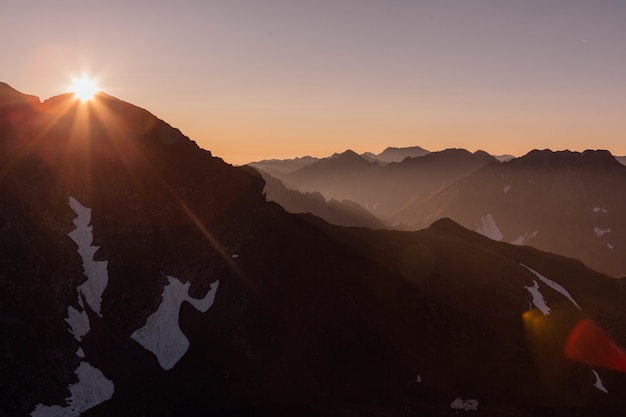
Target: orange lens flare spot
[(590, 344)]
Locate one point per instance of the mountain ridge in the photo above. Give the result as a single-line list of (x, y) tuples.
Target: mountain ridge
[(308, 318), (566, 202)]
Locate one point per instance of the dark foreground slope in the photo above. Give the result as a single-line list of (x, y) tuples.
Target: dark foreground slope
[(297, 317)]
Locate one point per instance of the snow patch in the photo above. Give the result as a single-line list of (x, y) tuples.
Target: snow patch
[(489, 228), (522, 239), (610, 246), (161, 334), (465, 405), (91, 389), (598, 209), (418, 379), (79, 323), (96, 271), (598, 384), (506, 188), (599, 232), (554, 285), (538, 300)]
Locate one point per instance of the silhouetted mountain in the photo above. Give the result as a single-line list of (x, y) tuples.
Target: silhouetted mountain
[(11, 98), (340, 166), (139, 275), (503, 158), (392, 154), (283, 166), (384, 190), (565, 202), (343, 213)]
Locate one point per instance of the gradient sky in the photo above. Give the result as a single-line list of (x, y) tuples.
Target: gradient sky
[(259, 79)]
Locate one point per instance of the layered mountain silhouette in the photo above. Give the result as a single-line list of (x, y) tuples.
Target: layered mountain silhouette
[(283, 166), (565, 202), (286, 166), (504, 157), (554, 212), (343, 213), (383, 189), (140, 275), (392, 154)]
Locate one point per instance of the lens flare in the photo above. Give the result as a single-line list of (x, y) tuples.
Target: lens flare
[(84, 88), (590, 344)]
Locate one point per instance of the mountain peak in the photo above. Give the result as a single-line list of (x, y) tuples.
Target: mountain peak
[(393, 154), (7, 90), (446, 225), (555, 159), (349, 153), (406, 148), (346, 157), (106, 147), (456, 154), (11, 96), (598, 155), (480, 152)]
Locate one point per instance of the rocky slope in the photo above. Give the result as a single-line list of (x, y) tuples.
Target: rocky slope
[(140, 275)]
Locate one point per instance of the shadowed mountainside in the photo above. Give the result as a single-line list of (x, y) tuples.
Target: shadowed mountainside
[(342, 213), (103, 201), (566, 202)]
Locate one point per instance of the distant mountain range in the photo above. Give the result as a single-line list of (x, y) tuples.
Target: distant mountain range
[(286, 166), (392, 154), (343, 213), (142, 276), (383, 189), (564, 202), (283, 166)]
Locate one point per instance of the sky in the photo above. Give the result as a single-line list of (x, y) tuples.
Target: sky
[(258, 79)]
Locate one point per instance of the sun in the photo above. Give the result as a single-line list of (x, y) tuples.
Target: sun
[(84, 88)]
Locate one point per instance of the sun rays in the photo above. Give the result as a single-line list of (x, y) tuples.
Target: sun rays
[(84, 88), (91, 136)]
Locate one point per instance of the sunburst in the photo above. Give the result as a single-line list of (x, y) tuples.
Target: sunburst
[(84, 88)]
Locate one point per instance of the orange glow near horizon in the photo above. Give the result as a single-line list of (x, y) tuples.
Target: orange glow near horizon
[(268, 81)]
